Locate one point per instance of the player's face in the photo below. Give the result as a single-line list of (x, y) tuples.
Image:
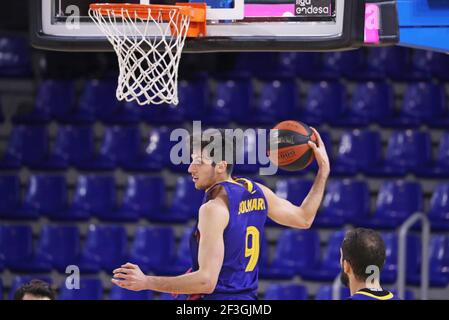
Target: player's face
[(202, 171)]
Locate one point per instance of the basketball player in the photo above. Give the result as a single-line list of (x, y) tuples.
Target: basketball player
[(225, 243), (361, 249)]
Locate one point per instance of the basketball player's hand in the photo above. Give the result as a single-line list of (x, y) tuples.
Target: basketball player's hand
[(319, 150), (129, 276)]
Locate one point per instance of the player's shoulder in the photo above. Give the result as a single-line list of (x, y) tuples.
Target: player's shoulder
[(217, 204)]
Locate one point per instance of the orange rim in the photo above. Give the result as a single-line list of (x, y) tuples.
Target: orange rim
[(195, 11)]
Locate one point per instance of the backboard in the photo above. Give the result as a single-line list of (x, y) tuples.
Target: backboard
[(233, 25)]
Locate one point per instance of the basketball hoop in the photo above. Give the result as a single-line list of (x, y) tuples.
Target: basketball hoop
[(148, 41)]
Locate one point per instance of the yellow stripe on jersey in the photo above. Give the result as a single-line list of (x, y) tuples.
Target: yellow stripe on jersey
[(386, 297)]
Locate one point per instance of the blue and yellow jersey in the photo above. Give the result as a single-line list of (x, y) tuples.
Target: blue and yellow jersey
[(238, 277), (370, 294)]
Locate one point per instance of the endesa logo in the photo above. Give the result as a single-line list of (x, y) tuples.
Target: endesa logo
[(313, 8)]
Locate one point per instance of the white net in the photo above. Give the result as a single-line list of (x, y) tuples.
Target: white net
[(148, 49)]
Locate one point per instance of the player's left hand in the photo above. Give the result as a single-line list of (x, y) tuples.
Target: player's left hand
[(129, 276), (319, 150)]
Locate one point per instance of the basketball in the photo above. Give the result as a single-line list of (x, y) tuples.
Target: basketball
[(292, 139)]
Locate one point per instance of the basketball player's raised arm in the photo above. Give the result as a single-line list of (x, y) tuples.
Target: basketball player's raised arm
[(213, 219), (284, 212)]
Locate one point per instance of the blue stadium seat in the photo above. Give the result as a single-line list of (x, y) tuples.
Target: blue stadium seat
[(407, 151), (396, 201), (278, 100), (286, 292), (183, 259), (157, 153), (423, 102), (324, 103), (266, 268), (345, 201), (386, 62), (2, 248), (94, 195), (120, 147), (438, 263), (46, 195), (439, 208), (427, 64), (358, 151), (340, 64), (413, 259), (439, 260), (442, 160), (325, 293), (307, 65), (105, 248), (329, 268), (18, 281), (27, 146), (10, 191), (90, 289), (15, 57), (237, 94), (440, 168), (185, 204), (98, 101), (118, 293), (143, 196), (220, 107), (83, 200), (293, 189), (372, 102), (153, 249), (19, 251), (193, 95), (58, 246), (74, 146), (296, 251), (54, 99)]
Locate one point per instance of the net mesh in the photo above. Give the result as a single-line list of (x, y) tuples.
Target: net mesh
[(148, 49)]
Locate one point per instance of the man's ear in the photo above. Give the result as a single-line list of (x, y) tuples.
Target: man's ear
[(347, 267), (221, 167)]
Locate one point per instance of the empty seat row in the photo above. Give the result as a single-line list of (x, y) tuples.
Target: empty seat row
[(75, 146), (359, 151), (235, 98), (298, 253), (347, 201), (154, 249), (397, 63), (96, 196)]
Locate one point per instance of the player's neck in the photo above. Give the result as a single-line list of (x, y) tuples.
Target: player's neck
[(359, 285)]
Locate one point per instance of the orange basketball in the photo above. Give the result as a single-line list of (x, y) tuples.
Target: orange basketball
[(291, 138)]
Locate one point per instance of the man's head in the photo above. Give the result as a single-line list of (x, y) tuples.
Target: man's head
[(361, 248), (213, 157), (35, 290)]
